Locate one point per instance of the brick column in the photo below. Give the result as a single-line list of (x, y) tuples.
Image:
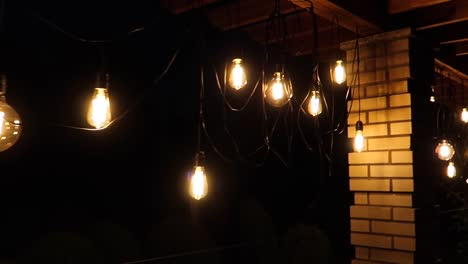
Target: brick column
[(382, 177)]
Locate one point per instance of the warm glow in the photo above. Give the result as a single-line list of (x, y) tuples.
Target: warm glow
[(451, 170), (2, 122), (359, 137), (464, 115), (432, 98), (237, 77), (99, 112), (339, 72), (278, 91), (314, 105), (445, 150), (198, 183), (9, 132)]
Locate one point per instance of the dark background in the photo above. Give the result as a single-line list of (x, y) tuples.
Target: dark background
[(75, 196)]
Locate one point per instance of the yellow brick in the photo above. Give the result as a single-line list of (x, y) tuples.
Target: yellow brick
[(390, 199), (399, 72), (388, 143), (391, 171), (392, 256), (370, 212), (400, 100), (370, 130), (397, 59), (369, 185), (362, 252), (402, 185), (371, 240), (360, 198), (393, 228), (404, 243), (405, 156), (403, 214), (368, 157), (386, 89), (397, 45), (354, 117), (401, 128), (397, 114), (358, 171), (360, 225), (368, 104)]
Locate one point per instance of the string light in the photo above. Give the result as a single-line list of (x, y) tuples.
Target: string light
[(451, 170), (99, 111), (10, 121), (237, 76), (314, 104), (339, 72), (198, 183), (444, 150), (278, 90), (464, 115), (359, 137)]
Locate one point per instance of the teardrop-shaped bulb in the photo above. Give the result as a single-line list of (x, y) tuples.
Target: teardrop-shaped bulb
[(359, 137), (339, 72), (451, 170), (314, 105), (464, 115), (198, 183), (237, 75), (278, 90), (10, 125), (99, 112)]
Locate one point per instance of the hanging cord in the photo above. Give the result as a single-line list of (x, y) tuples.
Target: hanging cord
[(358, 74)]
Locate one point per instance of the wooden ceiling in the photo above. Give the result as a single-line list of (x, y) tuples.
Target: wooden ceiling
[(442, 22)]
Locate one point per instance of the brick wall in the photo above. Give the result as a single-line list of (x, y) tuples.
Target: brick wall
[(382, 177)]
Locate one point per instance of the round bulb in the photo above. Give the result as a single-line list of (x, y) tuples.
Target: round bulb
[(432, 98), (99, 112), (198, 183), (314, 106), (464, 115), (278, 90), (451, 170), (445, 150), (10, 125), (237, 76), (339, 72), (359, 137)]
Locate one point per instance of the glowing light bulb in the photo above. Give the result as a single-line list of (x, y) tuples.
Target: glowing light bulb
[(444, 150), (432, 98), (237, 77), (339, 72), (314, 106), (99, 112), (198, 183), (10, 125), (451, 170), (464, 115), (359, 137), (278, 90)]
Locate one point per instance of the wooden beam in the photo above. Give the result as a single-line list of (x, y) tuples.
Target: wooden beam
[(348, 20), (400, 6), (449, 71), (455, 41)]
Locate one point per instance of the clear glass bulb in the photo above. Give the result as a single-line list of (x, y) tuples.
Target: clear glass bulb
[(237, 76), (10, 125), (198, 183), (278, 90), (359, 137), (464, 115), (314, 106), (339, 72), (451, 170), (99, 112), (445, 150)]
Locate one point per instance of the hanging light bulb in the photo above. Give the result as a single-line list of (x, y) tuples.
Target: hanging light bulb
[(359, 137), (237, 76), (451, 170), (10, 121), (339, 72), (99, 112), (314, 106), (444, 150), (464, 115), (198, 183), (278, 90)]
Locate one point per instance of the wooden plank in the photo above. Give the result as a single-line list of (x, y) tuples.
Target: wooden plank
[(348, 20), (400, 6)]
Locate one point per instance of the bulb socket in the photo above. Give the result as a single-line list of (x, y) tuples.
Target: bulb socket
[(359, 125)]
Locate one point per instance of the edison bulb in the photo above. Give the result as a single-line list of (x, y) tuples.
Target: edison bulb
[(451, 170), (99, 112), (339, 72), (278, 90), (464, 115), (314, 106), (198, 183), (359, 137), (237, 76), (445, 150), (10, 125)]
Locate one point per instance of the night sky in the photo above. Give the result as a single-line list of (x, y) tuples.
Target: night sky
[(76, 196)]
